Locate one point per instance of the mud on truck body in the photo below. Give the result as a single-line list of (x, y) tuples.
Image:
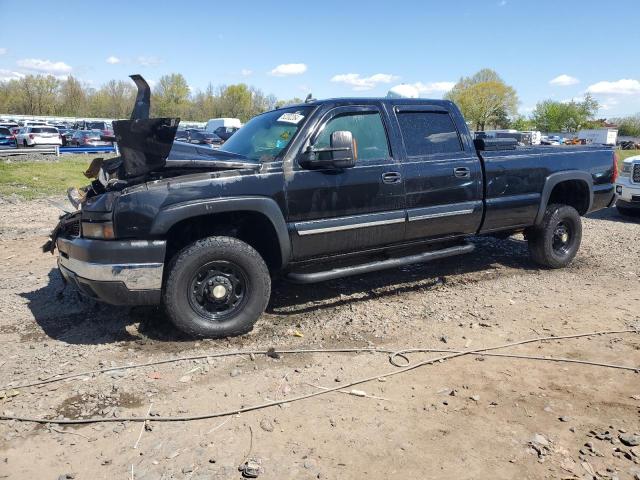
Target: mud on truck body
[(311, 192)]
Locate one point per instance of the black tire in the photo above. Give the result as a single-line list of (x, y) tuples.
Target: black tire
[(216, 262), (25, 144), (555, 242)]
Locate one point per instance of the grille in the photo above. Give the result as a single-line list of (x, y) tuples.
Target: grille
[(71, 226), (635, 173)]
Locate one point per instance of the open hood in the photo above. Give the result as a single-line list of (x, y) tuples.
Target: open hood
[(144, 142)]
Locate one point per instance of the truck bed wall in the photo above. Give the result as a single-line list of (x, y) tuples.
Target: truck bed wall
[(515, 179)]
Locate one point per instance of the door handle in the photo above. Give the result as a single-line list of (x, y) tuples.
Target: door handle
[(391, 177), (461, 172)]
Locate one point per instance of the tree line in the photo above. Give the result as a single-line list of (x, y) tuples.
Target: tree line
[(171, 96), (484, 98)]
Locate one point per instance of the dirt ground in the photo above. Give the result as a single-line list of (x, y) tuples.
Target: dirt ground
[(469, 417)]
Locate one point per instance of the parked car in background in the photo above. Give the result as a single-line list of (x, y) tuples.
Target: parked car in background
[(551, 140), (203, 138), (38, 135), (88, 138), (7, 139), (225, 132), (66, 134), (628, 187), (214, 123), (182, 136), (9, 125)]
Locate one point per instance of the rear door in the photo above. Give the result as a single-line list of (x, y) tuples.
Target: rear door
[(442, 173), (335, 211)]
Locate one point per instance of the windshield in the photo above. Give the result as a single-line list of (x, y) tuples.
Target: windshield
[(265, 136)]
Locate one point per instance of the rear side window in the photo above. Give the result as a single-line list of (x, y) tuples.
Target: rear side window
[(428, 133), (367, 130)]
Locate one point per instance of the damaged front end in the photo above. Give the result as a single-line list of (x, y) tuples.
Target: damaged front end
[(148, 153), (144, 144)]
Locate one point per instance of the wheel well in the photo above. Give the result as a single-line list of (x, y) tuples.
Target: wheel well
[(574, 193), (251, 227)]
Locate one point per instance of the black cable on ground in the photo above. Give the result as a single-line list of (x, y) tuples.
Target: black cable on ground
[(401, 370)]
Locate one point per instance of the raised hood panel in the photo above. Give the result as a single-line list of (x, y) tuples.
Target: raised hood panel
[(144, 144)]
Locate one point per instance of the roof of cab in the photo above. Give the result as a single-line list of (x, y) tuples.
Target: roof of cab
[(372, 100)]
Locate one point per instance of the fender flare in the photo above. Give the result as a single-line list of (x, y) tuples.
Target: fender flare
[(554, 179), (268, 207)]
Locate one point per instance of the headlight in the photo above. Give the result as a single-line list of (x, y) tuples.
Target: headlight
[(101, 230), (626, 170)]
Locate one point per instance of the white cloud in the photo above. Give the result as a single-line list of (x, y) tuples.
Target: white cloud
[(113, 60), (360, 83), (44, 66), (286, 69), (625, 86), (433, 87), (151, 61), (3, 50), (245, 72), (564, 80), (9, 75)]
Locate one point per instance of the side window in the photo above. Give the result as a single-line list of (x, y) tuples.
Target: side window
[(367, 130), (427, 133)]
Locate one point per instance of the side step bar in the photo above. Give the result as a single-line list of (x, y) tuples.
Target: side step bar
[(380, 265)]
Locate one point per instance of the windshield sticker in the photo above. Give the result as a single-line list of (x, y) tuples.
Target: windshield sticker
[(294, 118)]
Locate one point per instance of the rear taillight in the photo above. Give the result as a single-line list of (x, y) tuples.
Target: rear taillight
[(85, 141), (31, 135), (614, 176)]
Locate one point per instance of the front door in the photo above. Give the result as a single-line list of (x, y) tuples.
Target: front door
[(334, 211)]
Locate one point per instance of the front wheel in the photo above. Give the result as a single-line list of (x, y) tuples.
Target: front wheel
[(555, 242), (216, 287)]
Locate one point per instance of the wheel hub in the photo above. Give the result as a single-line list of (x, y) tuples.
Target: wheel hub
[(217, 290), (561, 238)]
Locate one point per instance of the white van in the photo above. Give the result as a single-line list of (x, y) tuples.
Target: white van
[(222, 122)]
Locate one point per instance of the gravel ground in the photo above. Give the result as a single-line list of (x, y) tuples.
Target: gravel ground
[(468, 417)]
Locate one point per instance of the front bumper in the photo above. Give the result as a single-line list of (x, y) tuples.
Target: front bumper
[(119, 272), (628, 193)]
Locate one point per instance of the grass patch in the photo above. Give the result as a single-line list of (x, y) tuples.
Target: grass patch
[(622, 154), (31, 180)]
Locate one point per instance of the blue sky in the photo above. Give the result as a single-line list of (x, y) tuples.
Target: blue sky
[(337, 48)]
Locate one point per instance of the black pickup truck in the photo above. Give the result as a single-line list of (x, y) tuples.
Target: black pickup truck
[(312, 192)]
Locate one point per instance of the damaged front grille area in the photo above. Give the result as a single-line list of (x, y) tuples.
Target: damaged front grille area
[(68, 227)]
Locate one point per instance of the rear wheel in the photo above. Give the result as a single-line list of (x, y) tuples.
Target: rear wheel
[(25, 144), (216, 287), (555, 242)]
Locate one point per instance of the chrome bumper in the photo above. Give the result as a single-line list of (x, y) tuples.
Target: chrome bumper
[(135, 276)]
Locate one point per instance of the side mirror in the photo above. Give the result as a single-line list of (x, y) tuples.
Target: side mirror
[(342, 153)]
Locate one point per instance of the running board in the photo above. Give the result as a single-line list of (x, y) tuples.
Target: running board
[(380, 265)]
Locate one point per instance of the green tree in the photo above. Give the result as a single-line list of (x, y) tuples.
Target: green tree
[(521, 123), (484, 99), (73, 97), (553, 116), (629, 126), (171, 96), (291, 101)]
